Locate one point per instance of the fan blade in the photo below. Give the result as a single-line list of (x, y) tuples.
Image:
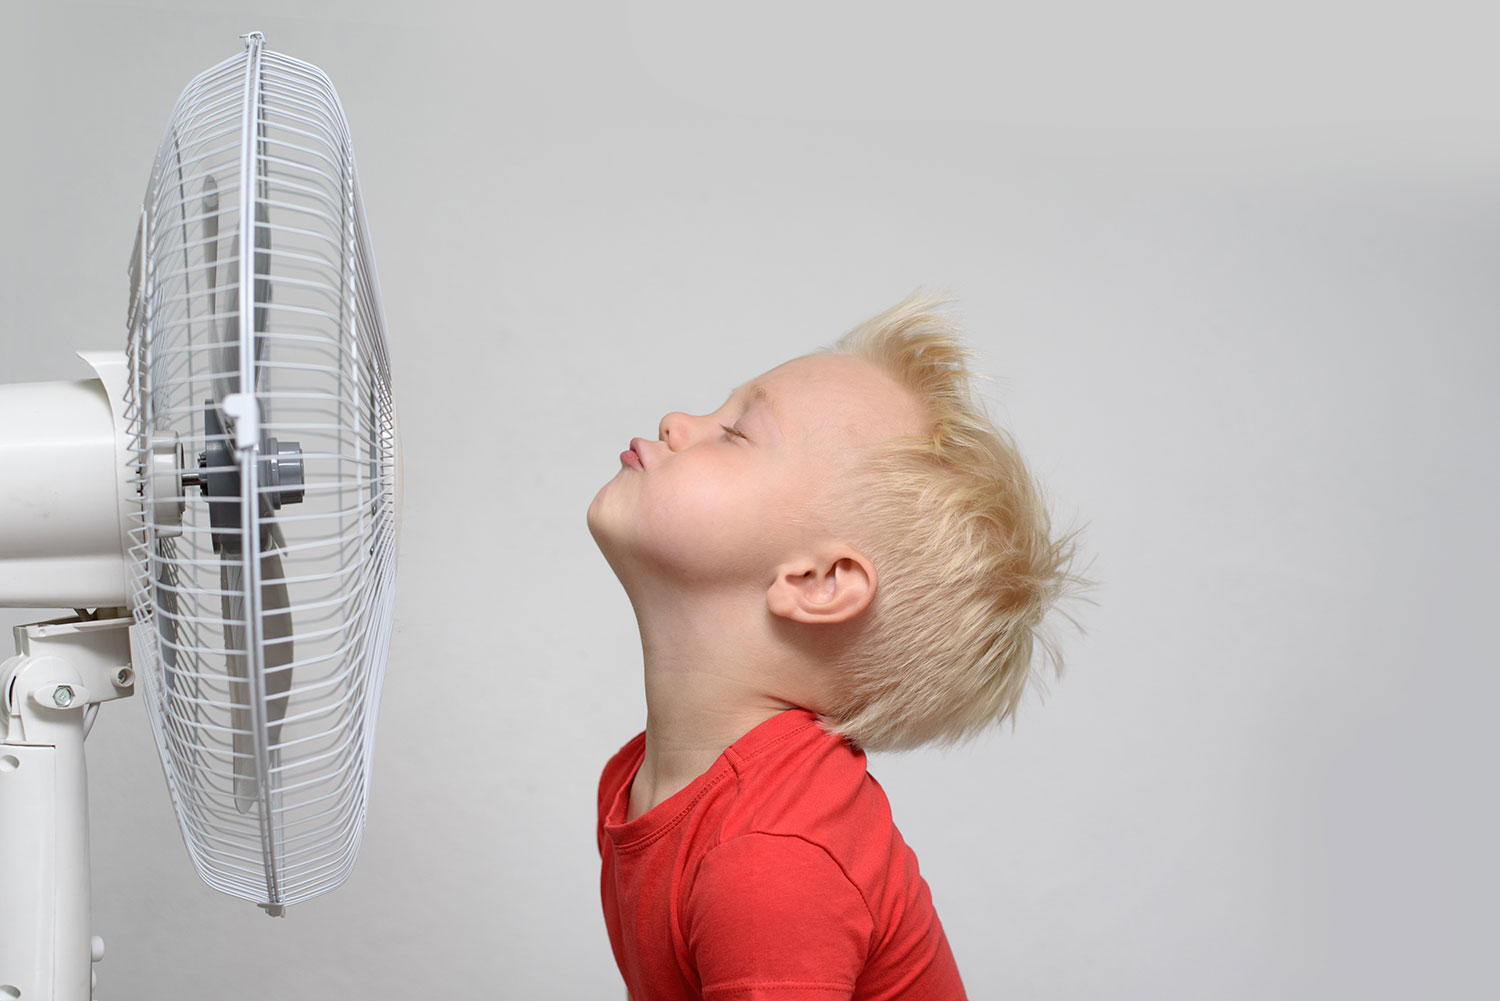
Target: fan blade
[(276, 625), (231, 581), (276, 632), (210, 209), (227, 310), (262, 278), (232, 605), (164, 591)]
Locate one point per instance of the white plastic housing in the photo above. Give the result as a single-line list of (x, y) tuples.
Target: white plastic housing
[(63, 455), (46, 944)]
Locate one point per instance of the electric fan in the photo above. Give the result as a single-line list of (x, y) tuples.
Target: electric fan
[(224, 496)]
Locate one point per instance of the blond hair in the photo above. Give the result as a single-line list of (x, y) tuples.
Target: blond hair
[(961, 542)]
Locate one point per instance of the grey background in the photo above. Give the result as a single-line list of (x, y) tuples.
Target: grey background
[(1233, 270)]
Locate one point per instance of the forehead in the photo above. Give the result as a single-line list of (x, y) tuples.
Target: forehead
[(836, 392)]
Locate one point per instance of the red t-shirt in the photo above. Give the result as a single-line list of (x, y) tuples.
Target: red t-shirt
[(777, 874)]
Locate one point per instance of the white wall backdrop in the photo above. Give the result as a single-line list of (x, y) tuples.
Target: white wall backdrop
[(1233, 269)]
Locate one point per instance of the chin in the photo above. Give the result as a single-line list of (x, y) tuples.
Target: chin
[(604, 525), (613, 549), (597, 520), (598, 507)]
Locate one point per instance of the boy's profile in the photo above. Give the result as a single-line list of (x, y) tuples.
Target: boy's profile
[(846, 555)]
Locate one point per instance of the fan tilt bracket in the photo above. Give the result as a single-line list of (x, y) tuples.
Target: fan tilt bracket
[(62, 667)]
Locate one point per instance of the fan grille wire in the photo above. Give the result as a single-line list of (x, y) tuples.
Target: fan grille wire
[(320, 373)]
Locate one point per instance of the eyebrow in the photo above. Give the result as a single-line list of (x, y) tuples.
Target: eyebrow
[(759, 394)]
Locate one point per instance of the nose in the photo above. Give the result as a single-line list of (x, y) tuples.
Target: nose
[(677, 430)]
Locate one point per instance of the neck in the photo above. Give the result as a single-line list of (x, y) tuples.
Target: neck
[(713, 674)]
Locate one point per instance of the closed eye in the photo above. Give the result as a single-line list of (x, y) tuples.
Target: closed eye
[(734, 432)]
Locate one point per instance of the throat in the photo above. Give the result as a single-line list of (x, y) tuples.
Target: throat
[(670, 765), (708, 683)]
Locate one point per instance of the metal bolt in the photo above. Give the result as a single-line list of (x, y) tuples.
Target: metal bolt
[(62, 696)]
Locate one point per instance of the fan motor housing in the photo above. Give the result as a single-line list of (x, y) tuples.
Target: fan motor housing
[(62, 524)]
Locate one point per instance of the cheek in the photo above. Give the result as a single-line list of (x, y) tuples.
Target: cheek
[(692, 500), (704, 516)]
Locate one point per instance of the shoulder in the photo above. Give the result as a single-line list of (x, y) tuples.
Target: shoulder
[(812, 784), (810, 873), (816, 789), (776, 907)]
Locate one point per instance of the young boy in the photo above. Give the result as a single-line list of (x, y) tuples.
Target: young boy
[(846, 555)]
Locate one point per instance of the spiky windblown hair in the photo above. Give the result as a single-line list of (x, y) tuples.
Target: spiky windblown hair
[(961, 542)]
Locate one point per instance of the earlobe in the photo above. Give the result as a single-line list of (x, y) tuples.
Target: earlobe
[(833, 589)]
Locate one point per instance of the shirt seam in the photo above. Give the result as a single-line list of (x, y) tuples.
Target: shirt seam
[(739, 757), (805, 985), (843, 871)]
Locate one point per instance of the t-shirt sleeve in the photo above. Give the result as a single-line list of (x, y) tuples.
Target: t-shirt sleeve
[(774, 917)]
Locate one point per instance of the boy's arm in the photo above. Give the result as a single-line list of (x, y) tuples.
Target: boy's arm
[(774, 917)]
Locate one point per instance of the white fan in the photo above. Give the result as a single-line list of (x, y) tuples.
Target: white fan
[(233, 479)]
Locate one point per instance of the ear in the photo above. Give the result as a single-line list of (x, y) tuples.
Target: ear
[(834, 587)]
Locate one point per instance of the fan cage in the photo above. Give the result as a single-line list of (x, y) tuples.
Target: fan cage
[(253, 213)]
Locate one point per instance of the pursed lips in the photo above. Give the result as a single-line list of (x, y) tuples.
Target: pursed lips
[(633, 456)]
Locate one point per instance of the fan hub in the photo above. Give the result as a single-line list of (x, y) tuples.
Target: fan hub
[(280, 476)]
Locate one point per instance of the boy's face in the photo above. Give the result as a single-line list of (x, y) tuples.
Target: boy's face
[(727, 497)]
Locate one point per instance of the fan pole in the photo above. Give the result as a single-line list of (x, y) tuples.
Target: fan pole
[(49, 692)]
